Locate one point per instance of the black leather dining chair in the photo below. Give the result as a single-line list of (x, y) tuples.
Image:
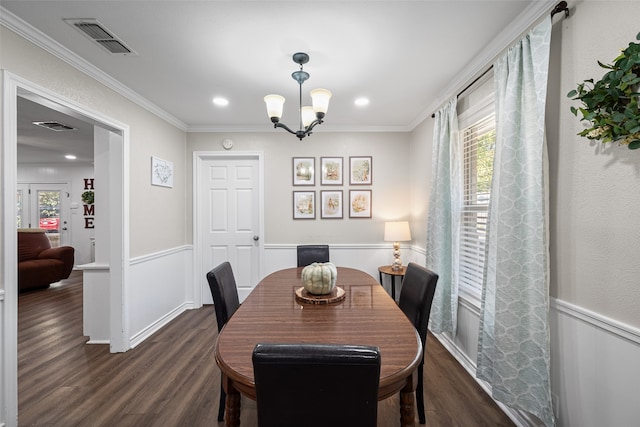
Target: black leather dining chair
[(308, 254), (416, 296), (316, 385), (224, 291)]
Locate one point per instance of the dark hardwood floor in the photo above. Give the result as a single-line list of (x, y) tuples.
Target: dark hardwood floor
[(171, 379)]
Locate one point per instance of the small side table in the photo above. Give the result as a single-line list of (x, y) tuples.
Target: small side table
[(386, 269)]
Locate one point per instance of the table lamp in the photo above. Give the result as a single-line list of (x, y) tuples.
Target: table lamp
[(396, 232)]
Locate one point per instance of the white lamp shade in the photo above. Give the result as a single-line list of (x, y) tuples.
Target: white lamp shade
[(397, 231), (307, 116), (275, 104), (320, 99)]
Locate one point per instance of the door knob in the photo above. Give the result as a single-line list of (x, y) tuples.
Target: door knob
[(256, 238)]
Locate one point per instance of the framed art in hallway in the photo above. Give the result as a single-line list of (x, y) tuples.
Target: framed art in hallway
[(304, 205), (161, 172)]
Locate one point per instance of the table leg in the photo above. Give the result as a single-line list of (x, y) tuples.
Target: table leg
[(393, 287), (232, 409), (407, 408)]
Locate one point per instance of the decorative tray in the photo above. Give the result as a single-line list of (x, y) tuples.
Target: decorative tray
[(336, 295)]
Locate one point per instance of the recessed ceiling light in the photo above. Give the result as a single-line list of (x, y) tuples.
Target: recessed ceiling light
[(220, 102), (361, 102), (70, 157)]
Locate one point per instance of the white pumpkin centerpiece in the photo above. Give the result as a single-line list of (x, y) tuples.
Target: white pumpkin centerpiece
[(319, 278)]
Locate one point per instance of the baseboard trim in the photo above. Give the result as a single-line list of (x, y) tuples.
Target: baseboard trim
[(98, 342), (159, 324), (519, 418)]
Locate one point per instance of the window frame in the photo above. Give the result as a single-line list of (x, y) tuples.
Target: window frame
[(475, 113)]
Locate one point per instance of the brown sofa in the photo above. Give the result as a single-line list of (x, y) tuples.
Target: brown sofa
[(39, 264)]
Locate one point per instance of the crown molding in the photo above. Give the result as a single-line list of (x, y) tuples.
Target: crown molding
[(38, 38), (268, 128), (477, 66), (481, 62)]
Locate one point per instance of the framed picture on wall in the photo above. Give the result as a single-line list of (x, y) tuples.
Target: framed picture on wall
[(331, 168), (359, 203), (161, 172), (304, 171), (304, 205), (331, 204), (360, 170)]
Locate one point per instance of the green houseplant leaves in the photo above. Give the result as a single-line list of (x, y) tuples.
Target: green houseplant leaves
[(87, 197), (610, 105)]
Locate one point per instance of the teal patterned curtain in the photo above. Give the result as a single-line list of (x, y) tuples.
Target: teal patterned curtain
[(442, 231), (513, 348)]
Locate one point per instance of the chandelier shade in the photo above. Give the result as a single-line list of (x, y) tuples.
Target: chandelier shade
[(309, 116), (320, 100), (275, 105)]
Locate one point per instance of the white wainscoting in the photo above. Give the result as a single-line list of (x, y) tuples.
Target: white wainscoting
[(158, 291), (161, 283), (362, 257), (595, 365), (595, 368)]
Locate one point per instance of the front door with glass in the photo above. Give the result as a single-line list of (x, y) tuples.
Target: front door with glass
[(44, 206)]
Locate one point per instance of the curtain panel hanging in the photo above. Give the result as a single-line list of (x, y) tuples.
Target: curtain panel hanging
[(444, 213), (513, 347)]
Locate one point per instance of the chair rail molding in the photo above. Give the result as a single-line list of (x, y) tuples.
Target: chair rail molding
[(160, 254), (597, 320)]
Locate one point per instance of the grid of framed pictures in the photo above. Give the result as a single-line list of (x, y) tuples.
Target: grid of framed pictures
[(331, 202)]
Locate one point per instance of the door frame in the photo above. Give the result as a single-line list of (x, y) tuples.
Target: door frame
[(118, 224), (199, 157)]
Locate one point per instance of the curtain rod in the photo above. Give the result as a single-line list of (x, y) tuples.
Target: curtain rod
[(560, 7)]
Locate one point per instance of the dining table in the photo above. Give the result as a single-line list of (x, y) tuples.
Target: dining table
[(364, 315)]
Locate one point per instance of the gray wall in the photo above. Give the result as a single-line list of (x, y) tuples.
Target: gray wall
[(595, 228), (390, 181)]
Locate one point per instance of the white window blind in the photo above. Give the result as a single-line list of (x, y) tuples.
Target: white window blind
[(478, 142)]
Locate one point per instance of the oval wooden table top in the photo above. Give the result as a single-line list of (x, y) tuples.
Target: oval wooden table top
[(367, 316)]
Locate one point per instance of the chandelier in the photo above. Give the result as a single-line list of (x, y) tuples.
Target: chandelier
[(309, 116)]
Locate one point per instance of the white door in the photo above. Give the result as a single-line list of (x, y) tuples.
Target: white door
[(229, 225), (45, 206)]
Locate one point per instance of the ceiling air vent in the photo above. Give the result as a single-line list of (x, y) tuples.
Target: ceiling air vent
[(97, 32), (114, 46), (55, 126)]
